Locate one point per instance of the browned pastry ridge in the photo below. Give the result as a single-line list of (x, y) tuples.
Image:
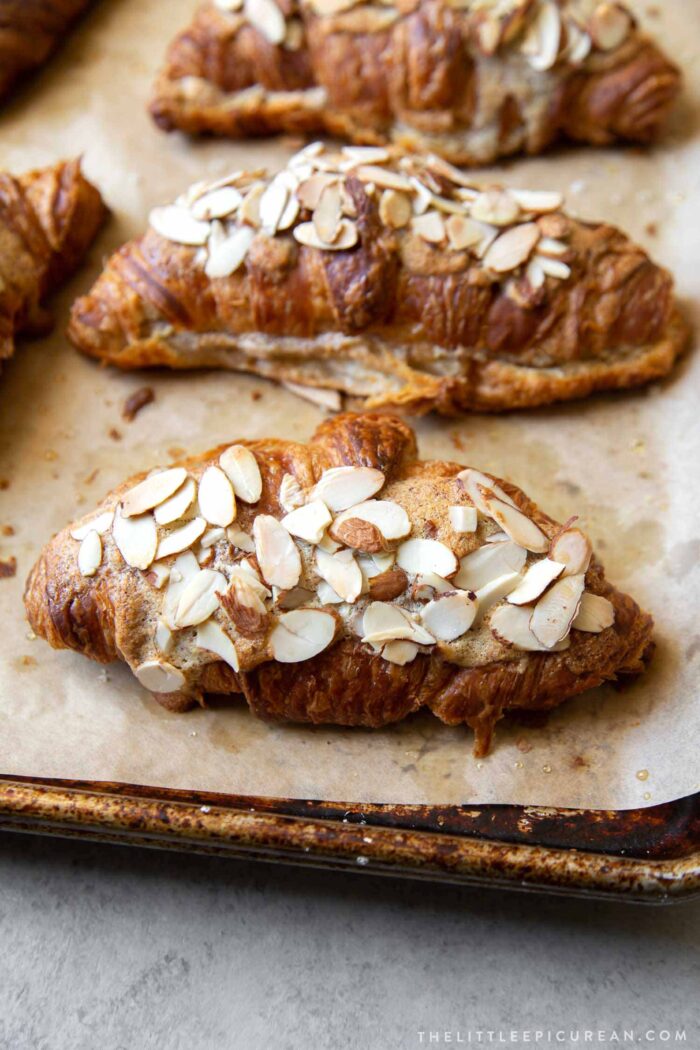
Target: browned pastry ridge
[(48, 219), (471, 82), (331, 628), (429, 292), (30, 30)]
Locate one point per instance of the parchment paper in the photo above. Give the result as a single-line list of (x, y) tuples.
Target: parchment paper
[(627, 464)]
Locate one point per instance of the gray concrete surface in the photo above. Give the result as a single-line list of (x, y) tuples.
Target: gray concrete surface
[(106, 948)]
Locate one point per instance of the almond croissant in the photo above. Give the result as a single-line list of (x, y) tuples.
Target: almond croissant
[(30, 30), (344, 581), (473, 80), (48, 219), (388, 277)]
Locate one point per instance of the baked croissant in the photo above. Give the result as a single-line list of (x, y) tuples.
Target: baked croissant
[(344, 582), (48, 218), (472, 80), (388, 277), (30, 30)]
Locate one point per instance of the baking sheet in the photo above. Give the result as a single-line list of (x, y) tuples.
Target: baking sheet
[(626, 464)]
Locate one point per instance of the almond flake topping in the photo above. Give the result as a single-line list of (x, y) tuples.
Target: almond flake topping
[(345, 238), (101, 524), (519, 527), (383, 622), (344, 487), (217, 502), (214, 639), (341, 572), (389, 519), (290, 495), (420, 556), (301, 634), (163, 637), (177, 224), (181, 539), (177, 506), (511, 625), (488, 563), (200, 598), (308, 522), (328, 214), (535, 581), (217, 204), (266, 17), (449, 616), (158, 676), (400, 653), (276, 552), (463, 519), (227, 251), (241, 467), (494, 591), (474, 482), (90, 554), (430, 226), (241, 540), (395, 209), (496, 207), (557, 609), (136, 538), (609, 26), (512, 248), (573, 549), (595, 614), (152, 491)]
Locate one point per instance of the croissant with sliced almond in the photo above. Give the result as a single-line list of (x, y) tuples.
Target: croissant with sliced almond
[(48, 219), (472, 80), (343, 582), (30, 30), (389, 277)]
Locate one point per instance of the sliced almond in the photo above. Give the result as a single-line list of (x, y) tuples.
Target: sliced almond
[(326, 595), (536, 581), (511, 625), (200, 598), (346, 237), (249, 211), (101, 524), (245, 606), (290, 495), (543, 36), (595, 614), (266, 17), (218, 204), (421, 556), (553, 267), (521, 529), (463, 232), (387, 518), (494, 591), (609, 26), (152, 491), (309, 191), (474, 482), (383, 622), (136, 539), (158, 676), (181, 539), (462, 519), (384, 561), (308, 522), (344, 487), (217, 502), (551, 247), (294, 598), (212, 537), (276, 552), (242, 470), (177, 506), (496, 207), (301, 634), (386, 586), (578, 44), (422, 197), (273, 202), (449, 616), (395, 209), (427, 584), (366, 154), (328, 545), (400, 653), (328, 214), (241, 540), (177, 224), (183, 569), (535, 274), (213, 639), (512, 248), (488, 563), (383, 177), (430, 226), (557, 609), (538, 202), (573, 549), (341, 572), (291, 208), (90, 554), (163, 637), (158, 574), (226, 254)]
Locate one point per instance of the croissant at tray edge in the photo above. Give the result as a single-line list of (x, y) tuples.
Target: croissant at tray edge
[(30, 30)]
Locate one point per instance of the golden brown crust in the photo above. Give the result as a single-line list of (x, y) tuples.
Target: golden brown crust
[(48, 219), (112, 614), (419, 74), (30, 30)]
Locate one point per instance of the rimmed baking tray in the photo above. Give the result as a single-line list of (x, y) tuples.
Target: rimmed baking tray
[(649, 855)]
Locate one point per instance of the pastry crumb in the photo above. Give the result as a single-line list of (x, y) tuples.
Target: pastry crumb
[(145, 395), (8, 568)]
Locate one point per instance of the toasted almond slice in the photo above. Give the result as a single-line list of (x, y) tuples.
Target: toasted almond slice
[(422, 196), (430, 226), (387, 517), (535, 581), (445, 170), (247, 572), (294, 598), (229, 5), (101, 524), (158, 574), (218, 204), (272, 203), (519, 527), (346, 238), (217, 502), (400, 653), (535, 274), (291, 208), (538, 202), (427, 584), (511, 625), (181, 539), (496, 207), (267, 18), (309, 191), (421, 556), (183, 569), (328, 545), (609, 26), (226, 254), (152, 491), (242, 470), (383, 177), (578, 44), (463, 232), (241, 540), (488, 563), (551, 247), (595, 614), (330, 400), (244, 604), (395, 209), (163, 637), (200, 598), (176, 506), (327, 214), (553, 267), (573, 549), (383, 622), (158, 676), (249, 210), (306, 155), (463, 519), (384, 561), (341, 572), (136, 539), (301, 634), (450, 615), (344, 487), (290, 495), (214, 639), (512, 248), (557, 609), (90, 554), (473, 482), (212, 536), (178, 225), (276, 552), (366, 154), (385, 586), (308, 522), (494, 591), (543, 36), (498, 537), (326, 595)]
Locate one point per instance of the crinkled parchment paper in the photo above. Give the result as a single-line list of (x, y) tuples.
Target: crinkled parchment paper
[(627, 464)]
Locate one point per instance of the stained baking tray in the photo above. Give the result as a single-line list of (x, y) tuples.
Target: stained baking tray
[(649, 855)]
